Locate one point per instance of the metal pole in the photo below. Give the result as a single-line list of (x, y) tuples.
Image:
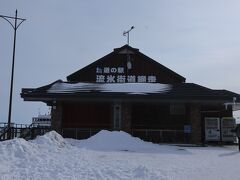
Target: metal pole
[(239, 143), (15, 27), (127, 32), (12, 76)]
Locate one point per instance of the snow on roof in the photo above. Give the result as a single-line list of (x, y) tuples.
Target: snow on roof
[(130, 88)]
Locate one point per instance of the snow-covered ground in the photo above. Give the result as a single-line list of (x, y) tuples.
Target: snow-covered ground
[(113, 155)]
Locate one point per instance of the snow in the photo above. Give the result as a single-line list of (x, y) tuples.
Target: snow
[(117, 141), (114, 155), (130, 88)]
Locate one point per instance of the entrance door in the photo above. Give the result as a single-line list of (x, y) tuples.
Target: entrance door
[(117, 116), (212, 129)]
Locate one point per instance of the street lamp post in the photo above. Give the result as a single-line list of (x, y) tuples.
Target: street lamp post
[(15, 27)]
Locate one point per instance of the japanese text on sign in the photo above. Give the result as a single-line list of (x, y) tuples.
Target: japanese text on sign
[(116, 75)]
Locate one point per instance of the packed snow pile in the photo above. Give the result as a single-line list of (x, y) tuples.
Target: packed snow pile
[(17, 148), (116, 140), (113, 155), (51, 139)]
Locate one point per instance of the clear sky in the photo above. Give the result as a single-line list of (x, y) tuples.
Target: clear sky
[(199, 40)]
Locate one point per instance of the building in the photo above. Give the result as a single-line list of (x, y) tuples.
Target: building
[(126, 90)]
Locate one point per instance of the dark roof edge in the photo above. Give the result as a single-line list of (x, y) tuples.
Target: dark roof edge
[(122, 98), (39, 89), (46, 87), (126, 46)]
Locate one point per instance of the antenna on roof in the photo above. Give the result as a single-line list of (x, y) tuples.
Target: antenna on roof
[(127, 33)]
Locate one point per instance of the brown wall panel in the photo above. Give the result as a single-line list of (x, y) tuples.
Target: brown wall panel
[(156, 117), (87, 115)]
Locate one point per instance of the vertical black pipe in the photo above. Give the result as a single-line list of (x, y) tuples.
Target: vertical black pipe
[(239, 143), (11, 86)]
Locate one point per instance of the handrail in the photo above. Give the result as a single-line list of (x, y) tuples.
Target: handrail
[(153, 135), (24, 133), (3, 132), (159, 130), (76, 132), (3, 124), (28, 131)]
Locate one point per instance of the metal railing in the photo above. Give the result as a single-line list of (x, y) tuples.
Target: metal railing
[(14, 130), (22, 130), (79, 133), (2, 125), (153, 135), (34, 130), (3, 133), (160, 135)]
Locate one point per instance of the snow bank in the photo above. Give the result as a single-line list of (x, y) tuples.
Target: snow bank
[(116, 141), (51, 139), (122, 141), (113, 155), (17, 148), (20, 148)]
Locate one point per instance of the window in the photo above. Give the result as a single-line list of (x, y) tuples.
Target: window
[(117, 116), (177, 109)]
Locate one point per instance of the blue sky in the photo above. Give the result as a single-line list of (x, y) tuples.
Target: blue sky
[(200, 40)]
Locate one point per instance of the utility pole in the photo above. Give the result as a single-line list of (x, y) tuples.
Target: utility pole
[(15, 26)]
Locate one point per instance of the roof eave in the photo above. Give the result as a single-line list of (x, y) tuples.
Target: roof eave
[(123, 97)]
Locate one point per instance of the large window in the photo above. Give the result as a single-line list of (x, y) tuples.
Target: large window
[(117, 116), (177, 109)]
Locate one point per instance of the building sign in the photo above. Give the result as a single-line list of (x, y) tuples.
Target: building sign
[(117, 75)]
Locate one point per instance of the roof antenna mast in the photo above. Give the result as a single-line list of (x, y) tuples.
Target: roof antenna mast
[(127, 33)]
